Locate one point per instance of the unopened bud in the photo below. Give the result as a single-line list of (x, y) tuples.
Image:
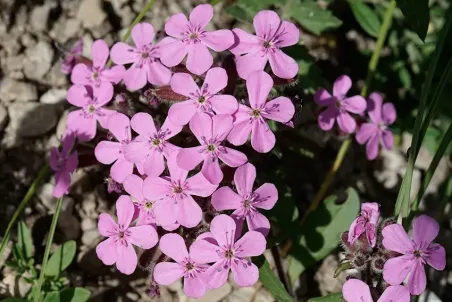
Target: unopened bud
[(377, 263), (165, 93), (360, 261)]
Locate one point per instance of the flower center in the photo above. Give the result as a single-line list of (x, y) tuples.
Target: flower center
[(193, 35), (121, 235), (256, 113), (145, 55), (148, 205), (246, 203), (177, 190), (189, 266), (211, 147), (417, 254), (338, 104), (268, 44), (95, 75), (156, 142), (201, 100), (229, 254), (91, 108)]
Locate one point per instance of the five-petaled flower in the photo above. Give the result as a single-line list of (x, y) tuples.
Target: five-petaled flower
[(376, 130), (416, 252), (210, 132), (355, 290), (204, 99), (366, 223), (254, 120), (145, 57), (339, 106), (118, 247), (63, 163), (98, 74), (253, 51), (247, 202), (190, 37), (166, 273), (220, 246), (133, 184)]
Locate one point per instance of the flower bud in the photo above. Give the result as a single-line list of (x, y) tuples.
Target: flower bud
[(377, 263), (360, 261)]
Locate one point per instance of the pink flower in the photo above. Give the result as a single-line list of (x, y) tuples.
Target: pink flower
[(355, 290), (190, 37), (219, 246), (376, 131), (145, 57), (63, 164), (166, 273), (174, 195), (254, 120), (247, 202), (118, 247), (339, 105), (365, 223), (98, 74), (70, 59), (205, 99), (210, 132), (83, 121), (416, 252), (271, 35), (151, 145), (108, 152), (133, 185)]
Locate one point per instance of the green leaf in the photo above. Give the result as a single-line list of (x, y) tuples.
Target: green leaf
[(69, 295), (12, 299), (311, 16), (245, 10), (366, 17), (61, 258), (417, 15), (321, 232), (25, 242), (272, 284), (337, 297)]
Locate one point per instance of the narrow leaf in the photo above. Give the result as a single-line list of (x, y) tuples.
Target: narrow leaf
[(337, 297), (69, 295), (366, 17), (417, 15), (61, 258), (25, 241), (272, 284)]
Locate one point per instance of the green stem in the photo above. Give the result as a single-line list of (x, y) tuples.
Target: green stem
[(213, 2), (38, 296), (31, 191), (447, 197), (135, 22)]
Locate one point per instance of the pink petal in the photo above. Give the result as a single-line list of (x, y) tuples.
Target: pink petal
[(341, 86), (323, 97), (245, 274), (177, 174), (107, 152), (245, 42), (266, 22), (165, 212), (135, 77), (155, 188), (211, 170), (396, 269), (137, 151), (158, 74), (199, 58), (201, 15), (262, 137), (249, 64), (244, 178), (326, 118), (143, 124), (189, 158), (176, 25), (354, 104), (173, 53), (119, 126), (355, 290), (282, 65), (417, 281), (204, 250), (226, 199), (62, 184), (127, 259), (194, 287), (106, 225), (396, 239), (425, 230), (218, 40), (259, 85), (395, 293), (436, 257), (355, 230), (72, 162), (224, 104), (103, 116), (81, 74), (198, 185), (240, 133), (121, 169), (54, 156), (181, 113), (68, 141), (114, 74), (217, 275), (221, 126), (189, 214), (216, 79), (166, 273), (77, 95), (280, 109), (154, 165), (251, 244), (374, 105), (124, 210), (173, 245), (268, 195), (223, 229), (346, 122), (122, 53), (106, 251), (84, 127), (372, 147), (170, 129), (133, 184), (143, 34), (233, 158), (201, 125), (143, 236), (183, 83), (99, 52), (259, 223), (289, 34), (366, 131), (389, 114), (387, 139)]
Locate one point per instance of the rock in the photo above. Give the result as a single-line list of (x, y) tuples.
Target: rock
[(244, 294), (215, 295), (11, 44), (31, 119), (12, 90), (90, 235), (39, 17), (54, 96), (38, 61), (27, 40), (55, 77), (91, 14), (3, 117), (65, 29), (325, 276), (61, 127), (13, 66), (68, 223)]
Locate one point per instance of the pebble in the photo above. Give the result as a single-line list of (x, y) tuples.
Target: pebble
[(38, 60), (3, 117), (39, 17), (31, 119), (91, 14), (54, 96), (12, 90), (215, 295)]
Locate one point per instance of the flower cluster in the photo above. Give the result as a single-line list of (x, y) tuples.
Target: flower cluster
[(385, 253), (168, 172), (340, 108)]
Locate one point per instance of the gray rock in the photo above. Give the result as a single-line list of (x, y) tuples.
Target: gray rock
[(215, 295), (38, 61), (13, 64), (12, 90), (91, 14), (55, 77), (325, 276), (3, 117), (39, 17), (11, 44), (27, 40), (53, 96), (65, 29), (31, 119)]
